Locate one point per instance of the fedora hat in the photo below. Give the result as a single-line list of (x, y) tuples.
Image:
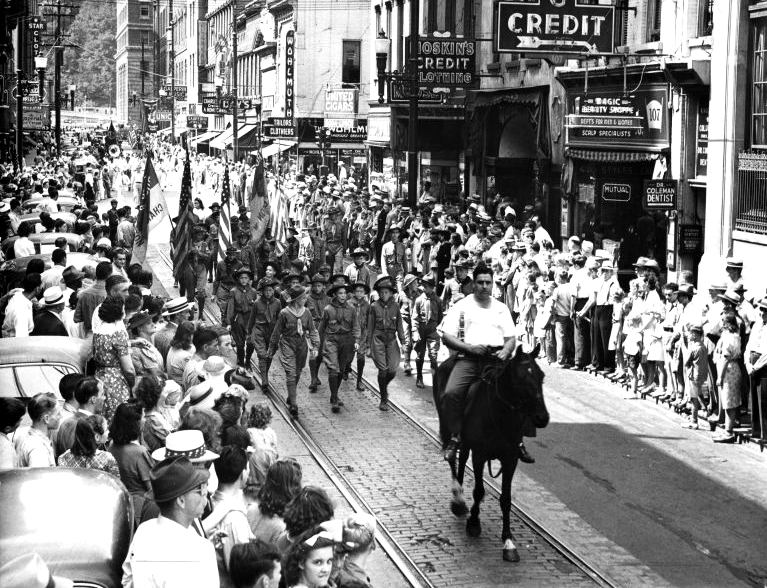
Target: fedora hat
[(71, 274), (295, 292), (384, 282), (53, 296), (30, 571), (175, 476), (189, 444), (640, 262), (408, 279), (607, 266), (176, 305), (651, 264), (735, 262), (718, 286)]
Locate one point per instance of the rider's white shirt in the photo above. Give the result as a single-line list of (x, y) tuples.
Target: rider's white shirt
[(482, 326)]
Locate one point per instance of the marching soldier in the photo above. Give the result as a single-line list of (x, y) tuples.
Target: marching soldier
[(384, 326), (196, 272), (263, 319), (238, 312), (316, 303), (225, 280), (394, 255), (297, 338), (406, 299), (335, 240), (427, 315), (360, 303), (339, 339), (359, 270), (248, 255)]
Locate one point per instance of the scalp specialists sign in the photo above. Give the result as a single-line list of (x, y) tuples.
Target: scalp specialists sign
[(548, 26)]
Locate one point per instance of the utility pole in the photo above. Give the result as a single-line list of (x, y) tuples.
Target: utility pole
[(234, 83), (21, 25), (143, 68), (172, 73), (57, 78), (412, 125)]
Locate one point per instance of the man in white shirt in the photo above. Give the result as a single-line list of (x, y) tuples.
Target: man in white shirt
[(34, 448), (478, 327), (19, 320), (166, 552), (23, 247), (53, 276), (756, 366)]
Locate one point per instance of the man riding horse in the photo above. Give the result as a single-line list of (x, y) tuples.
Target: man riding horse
[(481, 330)]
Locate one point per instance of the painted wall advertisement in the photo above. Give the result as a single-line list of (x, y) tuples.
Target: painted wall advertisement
[(551, 26), (607, 119)]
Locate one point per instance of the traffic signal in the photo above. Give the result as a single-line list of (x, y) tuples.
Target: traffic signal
[(323, 138)]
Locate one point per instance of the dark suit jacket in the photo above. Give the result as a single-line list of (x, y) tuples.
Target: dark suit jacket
[(47, 323)]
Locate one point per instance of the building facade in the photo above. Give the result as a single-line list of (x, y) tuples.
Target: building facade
[(134, 58)]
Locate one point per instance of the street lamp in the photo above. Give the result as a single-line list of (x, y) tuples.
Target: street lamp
[(41, 62), (382, 46)]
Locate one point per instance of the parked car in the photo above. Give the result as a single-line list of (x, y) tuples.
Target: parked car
[(44, 243), (66, 203), (85, 538), (13, 270), (33, 218)]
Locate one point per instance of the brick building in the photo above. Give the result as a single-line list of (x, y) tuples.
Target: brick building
[(135, 57)]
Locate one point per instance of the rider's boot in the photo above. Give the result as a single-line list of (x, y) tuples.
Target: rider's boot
[(524, 456), (452, 448), (419, 374), (360, 369)]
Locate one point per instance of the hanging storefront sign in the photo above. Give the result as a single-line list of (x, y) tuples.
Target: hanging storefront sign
[(356, 134), (701, 143), (379, 129), (614, 192), (445, 63), (210, 104), (37, 117), (290, 59), (198, 122), (549, 26), (340, 108), (610, 119), (282, 128), (150, 116), (660, 194)]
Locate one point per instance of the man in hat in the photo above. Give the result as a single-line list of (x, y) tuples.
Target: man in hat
[(292, 245), (262, 320), (339, 338), (358, 271), (734, 269), (306, 248), (383, 328), (248, 255), (297, 338), (211, 382), (176, 311), (226, 280), (195, 274), (405, 298), (426, 317), (394, 261), (238, 312), (316, 303), (212, 218), (165, 551), (334, 232), (458, 287), (48, 320), (603, 358)]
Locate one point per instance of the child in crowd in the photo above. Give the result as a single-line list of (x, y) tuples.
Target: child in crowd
[(696, 372), (264, 441), (632, 349), (621, 308)]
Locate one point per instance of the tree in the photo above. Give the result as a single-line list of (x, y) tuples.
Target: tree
[(91, 62)]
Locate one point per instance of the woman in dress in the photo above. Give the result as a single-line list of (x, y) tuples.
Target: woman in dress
[(147, 360), (281, 485), (90, 432), (111, 354), (727, 357), (180, 352), (309, 560), (132, 458), (653, 312), (158, 416)]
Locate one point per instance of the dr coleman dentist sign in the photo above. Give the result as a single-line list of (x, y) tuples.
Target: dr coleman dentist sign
[(550, 26)]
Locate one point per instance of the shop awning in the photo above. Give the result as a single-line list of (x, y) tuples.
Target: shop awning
[(205, 137), (224, 141), (276, 147), (611, 156), (220, 142)]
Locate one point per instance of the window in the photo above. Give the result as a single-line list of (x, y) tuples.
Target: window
[(706, 20), (350, 65), (759, 82), (653, 20), (144, 11)]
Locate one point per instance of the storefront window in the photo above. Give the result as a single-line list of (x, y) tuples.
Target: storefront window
[(759, 83)]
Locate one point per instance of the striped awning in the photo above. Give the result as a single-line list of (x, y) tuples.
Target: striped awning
[(611, 156)]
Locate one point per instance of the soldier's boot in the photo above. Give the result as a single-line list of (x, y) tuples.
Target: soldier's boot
[(263, 367), (200, 306), (383, 388), (360, 369), (249, 349), (419, 374), (314, 367), (334, 381)]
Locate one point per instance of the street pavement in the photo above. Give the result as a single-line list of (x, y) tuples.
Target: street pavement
[(618, 481)]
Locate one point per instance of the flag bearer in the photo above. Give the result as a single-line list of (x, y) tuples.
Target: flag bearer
[(263, 319), (339, 338), (384, 326)]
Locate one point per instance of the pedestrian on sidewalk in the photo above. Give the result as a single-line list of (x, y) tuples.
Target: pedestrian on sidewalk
[(316, 303), (263, 319), (384, 326), (297, 338)]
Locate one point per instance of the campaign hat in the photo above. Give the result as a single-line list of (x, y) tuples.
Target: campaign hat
[(428, 279), (408, 279), (360, 251), (356, 285), (267, 282), (318, 278), (295, 292)]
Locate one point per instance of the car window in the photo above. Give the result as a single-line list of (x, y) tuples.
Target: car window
[(28, 380)]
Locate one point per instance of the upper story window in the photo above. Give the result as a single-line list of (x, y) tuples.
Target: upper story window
[(653, 20), (350, 65), (144, 8), (759, 82)]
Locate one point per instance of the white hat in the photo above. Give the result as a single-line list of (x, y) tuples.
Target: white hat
[(190, 444), (212, 366), (53, 296), (103, 242)]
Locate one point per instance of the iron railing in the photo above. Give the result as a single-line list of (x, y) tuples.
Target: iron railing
[(751, 200)]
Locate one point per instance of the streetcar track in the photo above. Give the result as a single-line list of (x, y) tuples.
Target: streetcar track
[(397, 554)]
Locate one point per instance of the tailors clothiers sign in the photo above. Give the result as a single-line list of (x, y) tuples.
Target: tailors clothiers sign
[(548, 26)]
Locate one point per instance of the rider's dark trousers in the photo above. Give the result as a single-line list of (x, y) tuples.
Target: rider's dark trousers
[(465, 372)]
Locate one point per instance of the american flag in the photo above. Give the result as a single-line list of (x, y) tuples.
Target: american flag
[(183, 231), (224, 218), (278, 203)]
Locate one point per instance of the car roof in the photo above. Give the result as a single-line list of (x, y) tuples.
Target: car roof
[(34, 217), (45, 349), (85, 544)]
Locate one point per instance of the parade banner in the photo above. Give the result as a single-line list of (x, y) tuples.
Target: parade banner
[(149, 120), (152, 209)]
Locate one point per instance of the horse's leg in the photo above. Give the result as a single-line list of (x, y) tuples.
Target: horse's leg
[(473, 526), (509, 465), (458, 504)]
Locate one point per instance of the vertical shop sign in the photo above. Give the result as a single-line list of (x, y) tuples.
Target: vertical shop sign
[(701, 143), (290, 60)]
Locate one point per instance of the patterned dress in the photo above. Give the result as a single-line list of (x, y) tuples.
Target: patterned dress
[(101, 460), (107, 350)]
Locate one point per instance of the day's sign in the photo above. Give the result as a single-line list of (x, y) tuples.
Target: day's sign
[(660, 194), (550, 26), (445, 63)]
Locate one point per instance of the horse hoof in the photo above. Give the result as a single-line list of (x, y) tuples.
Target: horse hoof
[(473, 528), (458, 509), (510, 555)]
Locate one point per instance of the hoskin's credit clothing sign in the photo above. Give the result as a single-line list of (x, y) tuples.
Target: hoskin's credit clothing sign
[(549, 26)]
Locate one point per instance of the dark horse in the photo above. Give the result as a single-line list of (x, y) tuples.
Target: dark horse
[(505, 404)]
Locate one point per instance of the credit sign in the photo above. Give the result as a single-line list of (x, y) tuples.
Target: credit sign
[(445, 63), (549, 26)]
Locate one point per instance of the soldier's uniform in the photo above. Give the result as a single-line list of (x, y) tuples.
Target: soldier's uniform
[(394, 258), (359, 273), (316, 304), (248, 256), (196, 273), (339, 331), (361, 307), (384, 326), (426, 317), (238, 311), (406, 300), (225, 281), (263, 318), (335, 241)]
